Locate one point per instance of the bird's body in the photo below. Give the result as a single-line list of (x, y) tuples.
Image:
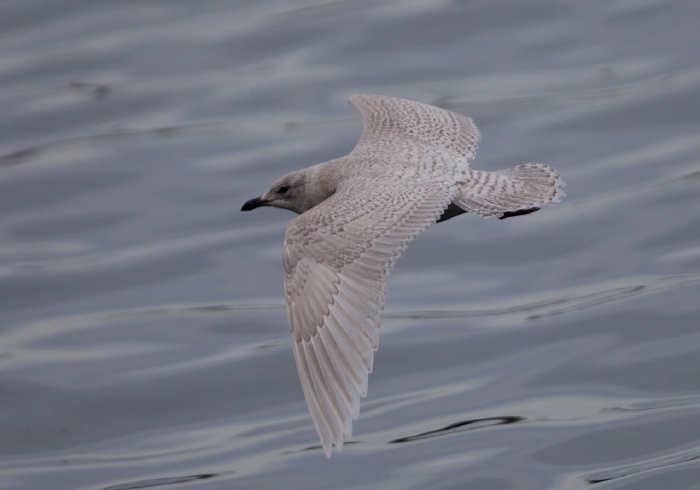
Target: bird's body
[(357, 214)]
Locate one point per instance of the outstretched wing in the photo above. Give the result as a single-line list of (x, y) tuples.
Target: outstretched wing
[(336, 259), (414, 132)]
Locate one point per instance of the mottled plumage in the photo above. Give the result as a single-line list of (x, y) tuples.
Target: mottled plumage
[(357, 215)]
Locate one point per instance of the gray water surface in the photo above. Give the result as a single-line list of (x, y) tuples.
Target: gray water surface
[(143, 337)]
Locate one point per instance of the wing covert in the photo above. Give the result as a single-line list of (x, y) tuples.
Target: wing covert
[(413, 129)]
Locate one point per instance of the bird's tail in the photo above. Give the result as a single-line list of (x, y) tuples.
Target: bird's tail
[(511, 192)]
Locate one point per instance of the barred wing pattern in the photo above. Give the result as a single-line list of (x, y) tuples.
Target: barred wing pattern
[(336, 259), (413, 132), (525, 187)]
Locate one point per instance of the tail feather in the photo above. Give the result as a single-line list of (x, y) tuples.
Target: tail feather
[(511, 192)]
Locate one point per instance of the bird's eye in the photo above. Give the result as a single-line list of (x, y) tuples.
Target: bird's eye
[(283, 189)]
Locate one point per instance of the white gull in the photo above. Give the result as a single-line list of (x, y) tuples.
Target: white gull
[(357, 214)]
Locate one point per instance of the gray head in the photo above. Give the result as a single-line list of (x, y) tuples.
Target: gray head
[(288, 192)]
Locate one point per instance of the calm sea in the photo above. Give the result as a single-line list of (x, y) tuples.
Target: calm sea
[(143, 337)]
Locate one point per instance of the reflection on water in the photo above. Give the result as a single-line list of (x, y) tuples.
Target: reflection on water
[(144, 340), (156, 482), (459, 427), (566, 302), (678, 459)]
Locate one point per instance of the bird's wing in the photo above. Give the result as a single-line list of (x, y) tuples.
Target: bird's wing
[(336, 259), (401, 129)]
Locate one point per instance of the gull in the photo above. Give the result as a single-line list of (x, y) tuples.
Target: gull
[(357, 215)]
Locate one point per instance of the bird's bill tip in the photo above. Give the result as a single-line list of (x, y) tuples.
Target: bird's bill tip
[(256, 202)]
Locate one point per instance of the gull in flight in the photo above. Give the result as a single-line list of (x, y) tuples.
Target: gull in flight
[(357, 214)]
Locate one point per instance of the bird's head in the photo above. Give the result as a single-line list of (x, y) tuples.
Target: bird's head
[(288, 192)]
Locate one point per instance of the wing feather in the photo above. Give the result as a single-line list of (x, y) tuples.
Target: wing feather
[(411, 131), (312, 399), (337, 257), (345, 361)]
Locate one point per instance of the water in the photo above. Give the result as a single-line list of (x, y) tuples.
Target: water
[(143, 338)]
